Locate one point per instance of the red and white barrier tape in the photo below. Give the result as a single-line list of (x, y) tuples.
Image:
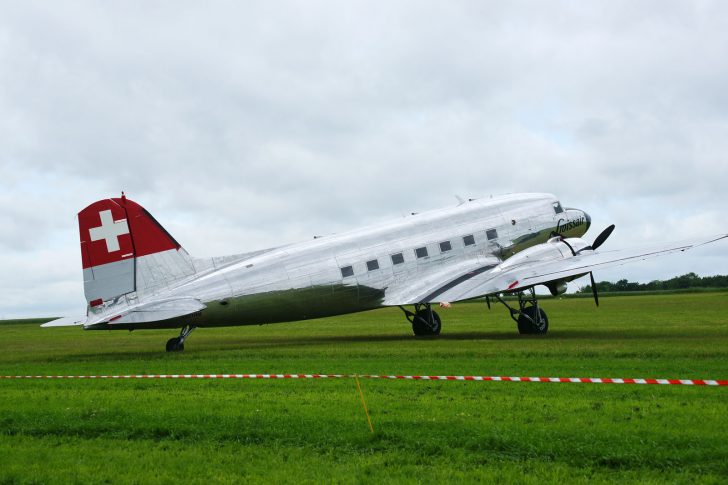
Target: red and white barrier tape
[(576, 380)]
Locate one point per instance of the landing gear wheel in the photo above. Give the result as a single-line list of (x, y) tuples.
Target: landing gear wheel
[(174, 345), (422, 326), (177, 344), (531, 324)]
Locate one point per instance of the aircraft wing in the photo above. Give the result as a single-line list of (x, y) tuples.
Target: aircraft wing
[(481, 280), (427, 286)]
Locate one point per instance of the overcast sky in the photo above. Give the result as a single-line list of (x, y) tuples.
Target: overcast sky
[(243, 125)]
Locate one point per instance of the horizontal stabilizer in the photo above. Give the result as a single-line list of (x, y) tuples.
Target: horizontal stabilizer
[(159, 310), (66, 322)]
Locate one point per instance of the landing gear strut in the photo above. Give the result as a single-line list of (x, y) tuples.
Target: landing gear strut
[(177, 344), (531, 318), (425, 321)]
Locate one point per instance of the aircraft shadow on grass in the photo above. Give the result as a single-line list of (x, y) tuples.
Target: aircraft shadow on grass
[(475, 336), (257, 343)]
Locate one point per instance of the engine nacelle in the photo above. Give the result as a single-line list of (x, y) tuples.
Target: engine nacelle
[(557, 287), (555, 248)]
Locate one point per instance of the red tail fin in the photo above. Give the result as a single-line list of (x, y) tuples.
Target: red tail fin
[(114, 234), (106, 228)]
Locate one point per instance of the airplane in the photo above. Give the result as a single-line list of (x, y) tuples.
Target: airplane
[(137, 276)]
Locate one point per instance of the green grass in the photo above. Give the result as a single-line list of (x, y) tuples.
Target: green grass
[(313, 431), (681, 291)]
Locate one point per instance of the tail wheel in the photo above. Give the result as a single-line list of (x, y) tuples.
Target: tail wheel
[(533, 322), (174, 345), (421, 324)]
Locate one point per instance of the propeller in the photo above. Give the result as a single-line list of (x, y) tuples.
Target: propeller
[(594, 288), (602, 237), (598, 242)]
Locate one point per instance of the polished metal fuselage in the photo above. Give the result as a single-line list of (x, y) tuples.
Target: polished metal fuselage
[(305, 280)]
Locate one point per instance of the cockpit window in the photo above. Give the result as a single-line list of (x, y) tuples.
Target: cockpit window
[(557, 208)]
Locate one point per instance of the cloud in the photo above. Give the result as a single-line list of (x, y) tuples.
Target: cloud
[(249, 125)]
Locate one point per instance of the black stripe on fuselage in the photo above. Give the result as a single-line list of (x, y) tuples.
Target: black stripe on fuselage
[(456, 282)]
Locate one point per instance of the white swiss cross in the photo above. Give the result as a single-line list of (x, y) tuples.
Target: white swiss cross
[(109, 230)]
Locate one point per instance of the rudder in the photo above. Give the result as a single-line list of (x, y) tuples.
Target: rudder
[(124, 250)]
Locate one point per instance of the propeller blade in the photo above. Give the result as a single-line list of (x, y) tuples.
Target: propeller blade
[(602, 237), (594, 288)]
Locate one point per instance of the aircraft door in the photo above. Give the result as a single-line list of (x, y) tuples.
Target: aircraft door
[(497, 234), (521, 234)]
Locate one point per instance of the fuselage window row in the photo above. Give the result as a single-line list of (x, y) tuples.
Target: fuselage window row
[(421, 252)]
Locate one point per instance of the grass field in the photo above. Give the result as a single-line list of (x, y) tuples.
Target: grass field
[(311, 431)]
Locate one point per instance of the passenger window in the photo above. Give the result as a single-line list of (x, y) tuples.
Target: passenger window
[(557, 208), (372, 265), (347, 271), (491, 234), (397, 258), (445, 246), (421, 252), (469, 240)]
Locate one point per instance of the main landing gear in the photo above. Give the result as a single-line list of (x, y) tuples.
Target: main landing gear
[(425, 321), (531, 318), (177, 344)]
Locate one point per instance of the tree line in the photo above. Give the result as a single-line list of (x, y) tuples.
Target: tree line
[(689, 280)]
